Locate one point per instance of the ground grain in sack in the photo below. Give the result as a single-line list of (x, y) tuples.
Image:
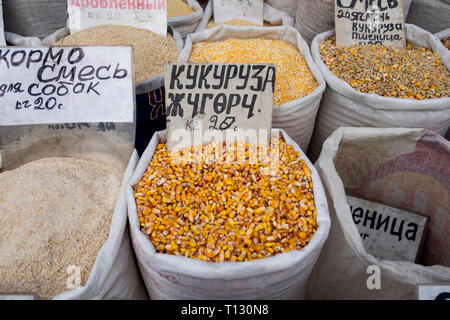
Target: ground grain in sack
[(413, 72), (178, 8), (294, 79), (217, 210), (54, 213), (151, 51)]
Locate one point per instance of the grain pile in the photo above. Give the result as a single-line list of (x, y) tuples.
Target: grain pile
[(293, 80), (54, 213), (446, 43), (217, 210), (151, 51), (413, 72), (235, 22), (178, 8)]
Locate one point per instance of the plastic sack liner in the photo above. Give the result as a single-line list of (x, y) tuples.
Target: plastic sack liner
[(174, 277), (271, 15), (187, 24), (297, 117), (403, 168), (314, 17), (431, 15), (114, 274), (343, 106)]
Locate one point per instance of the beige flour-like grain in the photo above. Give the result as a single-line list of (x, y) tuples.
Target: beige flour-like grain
[(150, 51), (54, 213)]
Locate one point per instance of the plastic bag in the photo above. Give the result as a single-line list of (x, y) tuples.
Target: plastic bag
[(403, 168), (174, 277), (342, 106), (297, 117)]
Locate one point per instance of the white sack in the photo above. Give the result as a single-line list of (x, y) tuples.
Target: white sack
[(403, 168), (187, 24), (297, 117), (20, 41), (317, 16), (431, 15), (343, 106), (34, 18), (141, 88), (115, 274), (444, 34), (288, 6), (174, 277), (271, 15)]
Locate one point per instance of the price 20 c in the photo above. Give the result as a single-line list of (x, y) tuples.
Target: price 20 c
[(40, 104)]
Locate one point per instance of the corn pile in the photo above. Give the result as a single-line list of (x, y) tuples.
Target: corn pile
[(218, 210), (235, 22), (151, 51), (294, 79), (446, 43), (178, 8), (413, 72)]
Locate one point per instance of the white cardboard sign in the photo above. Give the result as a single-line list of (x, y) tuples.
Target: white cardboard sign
[(360, 22), (205, 102), (2, 32), (249, 10), (432, 292), (144, 14), (66, 85), (388, 232)]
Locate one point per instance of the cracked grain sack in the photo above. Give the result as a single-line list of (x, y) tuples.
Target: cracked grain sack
[(398, 167), (184, 15), (314, 17), (150, 56), (63, 212), (264, 273), (298, 96), (272, 17), (344, 104)]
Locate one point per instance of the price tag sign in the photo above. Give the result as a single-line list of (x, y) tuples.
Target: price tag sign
[(359, 22), (207, 102), (66, 85), (388, 232), (2, 32), (144, 14), (249, 10)]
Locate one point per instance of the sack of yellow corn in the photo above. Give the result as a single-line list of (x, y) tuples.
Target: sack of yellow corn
[(223, 228), (397, 167), (184, 15), (299, 84), (381, 86), (272, 17)]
